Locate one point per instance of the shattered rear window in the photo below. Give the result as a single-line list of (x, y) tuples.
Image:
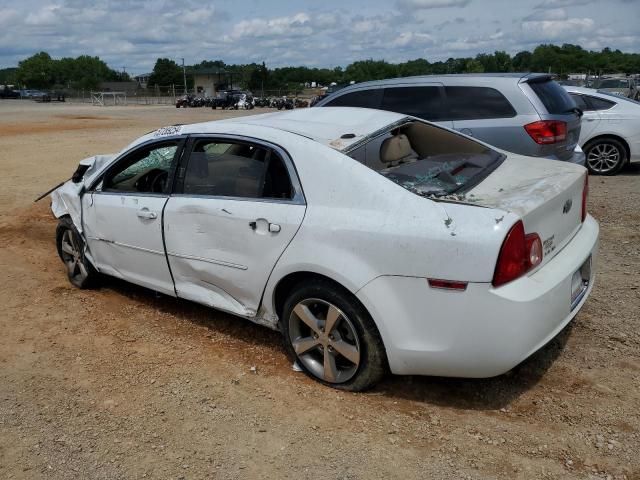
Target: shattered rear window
[(443, 174)]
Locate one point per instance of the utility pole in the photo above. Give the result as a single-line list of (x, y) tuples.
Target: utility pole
[(184, 74)]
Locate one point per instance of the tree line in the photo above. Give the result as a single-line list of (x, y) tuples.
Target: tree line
[(41, 71), (560, 60)]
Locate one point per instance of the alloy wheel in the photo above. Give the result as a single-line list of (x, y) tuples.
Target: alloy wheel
[(324, 340), (72, 257), (603, 157)]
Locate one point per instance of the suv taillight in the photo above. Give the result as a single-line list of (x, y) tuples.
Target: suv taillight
[(585, 194), (519, 254), (546, 132)]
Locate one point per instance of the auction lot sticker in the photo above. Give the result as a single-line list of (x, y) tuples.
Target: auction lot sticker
[(170, 130)]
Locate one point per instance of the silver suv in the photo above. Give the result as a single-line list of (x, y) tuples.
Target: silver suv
[(529, 114)]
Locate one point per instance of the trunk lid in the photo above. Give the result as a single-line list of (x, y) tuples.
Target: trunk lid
[(545, 194)]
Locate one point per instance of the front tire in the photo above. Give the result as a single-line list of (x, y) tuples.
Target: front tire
[(605, 156), (70, 247), (332, 337)]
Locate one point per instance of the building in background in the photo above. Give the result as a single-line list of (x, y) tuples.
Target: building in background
[(208, 81), (142, 79)]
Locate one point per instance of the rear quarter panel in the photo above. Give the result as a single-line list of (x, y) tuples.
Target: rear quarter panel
[(360, 225)]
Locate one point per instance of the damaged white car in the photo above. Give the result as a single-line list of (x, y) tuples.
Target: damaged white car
[(373, 241)]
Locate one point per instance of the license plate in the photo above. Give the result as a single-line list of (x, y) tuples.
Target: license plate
[(580, 282)]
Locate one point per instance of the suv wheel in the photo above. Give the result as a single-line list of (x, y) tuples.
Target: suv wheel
[(605, 156), (332, 337)]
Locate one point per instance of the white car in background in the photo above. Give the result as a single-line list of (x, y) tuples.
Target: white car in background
[(610, 134), (373, 241)]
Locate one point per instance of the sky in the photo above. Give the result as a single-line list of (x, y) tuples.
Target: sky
[(132, 34)]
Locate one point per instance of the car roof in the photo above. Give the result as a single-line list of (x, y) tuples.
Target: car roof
[(506, 77), (587, 91), (336, 127)]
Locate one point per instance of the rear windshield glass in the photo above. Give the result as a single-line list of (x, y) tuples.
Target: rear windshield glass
[(443, 174), (428, 160), (555, 98)]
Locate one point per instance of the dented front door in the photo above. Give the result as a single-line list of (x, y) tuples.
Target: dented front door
[(122, 215), (124, 233)]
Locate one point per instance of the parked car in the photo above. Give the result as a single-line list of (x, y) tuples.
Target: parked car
[(610, 135), (370, 239), (6, 92), (529, 114), (622, 86), (36, 95)]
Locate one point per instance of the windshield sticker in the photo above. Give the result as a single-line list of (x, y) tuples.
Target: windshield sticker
[(166, 131)]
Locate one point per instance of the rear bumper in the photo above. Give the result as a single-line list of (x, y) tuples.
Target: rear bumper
[(483, 331), (577, 157)]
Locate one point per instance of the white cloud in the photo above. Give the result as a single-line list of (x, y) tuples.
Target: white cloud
[(412, 38), (295, 25), (563, 3), (549, 30), (43, 16), (429, 4), (548, 14)]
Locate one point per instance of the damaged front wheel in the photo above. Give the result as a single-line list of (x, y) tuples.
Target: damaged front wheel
[(71, 251)]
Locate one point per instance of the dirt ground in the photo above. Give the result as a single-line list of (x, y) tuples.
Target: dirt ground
[(121, 383)]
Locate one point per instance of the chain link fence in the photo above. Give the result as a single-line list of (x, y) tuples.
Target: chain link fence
[(157, 95)]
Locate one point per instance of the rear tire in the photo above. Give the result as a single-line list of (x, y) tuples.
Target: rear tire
[(332, 337), (605, 156), (70, 245)]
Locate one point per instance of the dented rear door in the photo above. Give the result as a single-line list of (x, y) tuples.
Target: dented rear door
[(223, 237)]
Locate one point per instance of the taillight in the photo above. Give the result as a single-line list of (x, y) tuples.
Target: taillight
[(534, 250), (585, 194), (519, 254), (545, 132)]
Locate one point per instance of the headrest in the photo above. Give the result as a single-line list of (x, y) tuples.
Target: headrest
[(396, 149), (198, 165)]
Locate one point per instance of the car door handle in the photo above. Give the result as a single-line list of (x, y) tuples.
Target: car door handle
[(145, 213), (272, 227), (589, 119)]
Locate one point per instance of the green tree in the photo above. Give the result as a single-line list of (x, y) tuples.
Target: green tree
[(473, 66), (364, 70), (503, 61), (8, 76), (166, 72), (522, 61), (419, 66), (37, 71)]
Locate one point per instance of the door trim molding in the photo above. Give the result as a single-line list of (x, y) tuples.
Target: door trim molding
[(209, 260), (120, 244)]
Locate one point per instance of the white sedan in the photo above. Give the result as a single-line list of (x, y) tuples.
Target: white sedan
[(373, 241), (610, 133)]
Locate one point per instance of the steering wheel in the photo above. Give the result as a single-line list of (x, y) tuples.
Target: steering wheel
[(158, 180), (153, 181)]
